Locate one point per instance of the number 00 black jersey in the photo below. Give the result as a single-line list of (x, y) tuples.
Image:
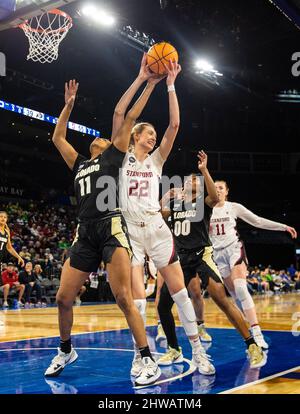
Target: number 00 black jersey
[(190, 225), (96, 184)]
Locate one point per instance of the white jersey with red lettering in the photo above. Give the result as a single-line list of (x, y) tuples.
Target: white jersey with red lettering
[(223, 231), (139, 186), (139, 201)]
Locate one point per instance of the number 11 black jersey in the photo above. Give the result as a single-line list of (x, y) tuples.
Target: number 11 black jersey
[(96, 184)]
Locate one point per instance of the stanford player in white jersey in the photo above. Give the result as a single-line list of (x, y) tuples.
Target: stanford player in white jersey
[(229, 251), (139, 201)]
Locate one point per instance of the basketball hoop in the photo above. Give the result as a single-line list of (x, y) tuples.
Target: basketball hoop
[(45, 32)]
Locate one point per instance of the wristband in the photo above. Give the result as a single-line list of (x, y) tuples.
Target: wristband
[(171, 88)]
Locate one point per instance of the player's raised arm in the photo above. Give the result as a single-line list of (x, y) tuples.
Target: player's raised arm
[(126, 98), (212, 198), (122, 138), (168, 139), (59, 136), (260, 222)]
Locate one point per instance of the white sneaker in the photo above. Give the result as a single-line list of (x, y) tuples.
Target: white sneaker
[(202, 361), (21, 304), (137, 365), (259, 338), (77, 302), (5, 304), (59, 362), (149, 374), (160, 333)]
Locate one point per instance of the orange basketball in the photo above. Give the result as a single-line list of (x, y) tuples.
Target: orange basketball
[(159, 54)]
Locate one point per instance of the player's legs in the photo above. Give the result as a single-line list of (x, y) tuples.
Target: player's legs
[(242, 295), (194, 288), (119, 270), (218, 294), (173, 277), (165, 304), (137, 270), (71, 281), (159, 285), (138, 289), (161, 250), (139, 299), (235, 316)]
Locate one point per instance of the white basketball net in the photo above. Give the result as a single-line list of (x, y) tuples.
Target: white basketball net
[(45, 33)]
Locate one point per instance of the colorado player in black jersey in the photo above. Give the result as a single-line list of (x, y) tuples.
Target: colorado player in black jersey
[(5, 242), (101, 233), (190, 225)]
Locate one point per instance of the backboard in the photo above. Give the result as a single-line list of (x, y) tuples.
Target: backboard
[(15, 12)]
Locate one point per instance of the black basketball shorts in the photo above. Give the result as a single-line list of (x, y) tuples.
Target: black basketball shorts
[(199, 262), (96, 240)]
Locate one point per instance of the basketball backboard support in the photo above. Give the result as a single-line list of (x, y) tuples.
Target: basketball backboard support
[(15, 12)]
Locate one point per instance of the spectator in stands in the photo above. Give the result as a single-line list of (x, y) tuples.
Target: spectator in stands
[(49, 255), (267, 277), (26, 256), (253, 283), (264, 283), (38, 273), (81, 292), (10, 281), (292, 271), (34, 231), (102, 271), (287, 283), (277, 279), (28, 278), (63, 245)]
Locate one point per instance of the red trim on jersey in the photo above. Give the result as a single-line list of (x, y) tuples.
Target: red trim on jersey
[(243, 256), (173, 255)]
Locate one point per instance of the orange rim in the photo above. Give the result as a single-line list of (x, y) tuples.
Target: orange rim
[(26, 26)]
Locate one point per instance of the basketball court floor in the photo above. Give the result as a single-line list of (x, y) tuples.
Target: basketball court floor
[(29, 339)]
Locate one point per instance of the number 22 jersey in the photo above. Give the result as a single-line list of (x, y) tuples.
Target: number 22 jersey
[(139, 186)]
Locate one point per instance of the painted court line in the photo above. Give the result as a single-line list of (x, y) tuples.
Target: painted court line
[(123, 329), (278, 374), (189, 371)]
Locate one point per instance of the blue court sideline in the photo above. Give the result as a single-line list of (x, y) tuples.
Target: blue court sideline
[(105, 358)]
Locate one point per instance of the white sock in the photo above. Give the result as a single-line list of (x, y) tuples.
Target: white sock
[(141, 305), (256, 330), (196, 345)]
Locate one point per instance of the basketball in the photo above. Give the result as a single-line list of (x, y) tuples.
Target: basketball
[(160, 54)]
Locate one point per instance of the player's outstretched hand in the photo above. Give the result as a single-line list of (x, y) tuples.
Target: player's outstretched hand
[(292, 232), (21, 261), (145, 73), (71, 89), (202, 160), (172, 71)]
